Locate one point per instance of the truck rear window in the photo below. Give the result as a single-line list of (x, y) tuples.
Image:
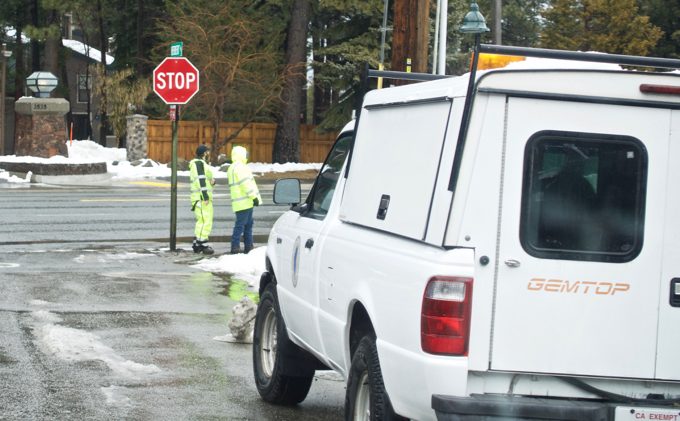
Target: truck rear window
[(583, 196)]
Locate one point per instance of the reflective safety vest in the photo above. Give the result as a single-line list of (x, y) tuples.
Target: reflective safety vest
[(242, 186), (200, 177)]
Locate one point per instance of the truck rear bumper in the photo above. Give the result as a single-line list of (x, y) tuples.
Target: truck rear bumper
[(492, 408)]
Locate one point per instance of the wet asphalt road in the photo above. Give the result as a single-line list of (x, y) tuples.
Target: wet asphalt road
[(125, 211), (123, 329)]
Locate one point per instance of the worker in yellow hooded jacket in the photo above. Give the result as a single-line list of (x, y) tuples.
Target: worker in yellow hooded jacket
[(244, 195)]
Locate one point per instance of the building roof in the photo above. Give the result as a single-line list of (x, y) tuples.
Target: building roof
[(86, 50), (77, 46)]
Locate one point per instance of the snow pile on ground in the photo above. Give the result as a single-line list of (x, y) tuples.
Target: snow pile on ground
[(94, 152), (87, 152), (258, 167), (5, 176), (247, 267), (146, 169)]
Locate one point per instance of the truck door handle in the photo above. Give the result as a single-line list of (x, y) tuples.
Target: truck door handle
[(382, 208), (309, 243), (512, 263), (675, 292)]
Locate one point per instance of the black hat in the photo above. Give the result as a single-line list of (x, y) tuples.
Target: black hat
[(202, 149)]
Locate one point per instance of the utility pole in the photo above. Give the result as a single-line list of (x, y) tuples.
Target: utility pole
[(410, 35)]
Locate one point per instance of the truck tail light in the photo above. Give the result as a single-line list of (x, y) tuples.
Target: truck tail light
[(445, 317), (660, 89)]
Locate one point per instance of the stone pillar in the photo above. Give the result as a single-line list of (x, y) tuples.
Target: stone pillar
[(41, 128), (137, 143)]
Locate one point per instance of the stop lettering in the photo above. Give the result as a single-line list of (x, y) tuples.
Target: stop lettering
[(175, 80)]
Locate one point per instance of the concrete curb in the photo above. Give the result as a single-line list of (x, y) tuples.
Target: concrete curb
[(73, 180)]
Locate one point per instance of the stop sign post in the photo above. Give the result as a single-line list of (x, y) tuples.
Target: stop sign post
[(175, 81)]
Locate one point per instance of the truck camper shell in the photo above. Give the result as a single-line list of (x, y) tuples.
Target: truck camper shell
[(504, 243)]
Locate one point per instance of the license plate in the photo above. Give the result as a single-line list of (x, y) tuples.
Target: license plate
[(633, 413)]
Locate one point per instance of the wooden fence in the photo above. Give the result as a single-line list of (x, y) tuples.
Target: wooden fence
[(258, 138)]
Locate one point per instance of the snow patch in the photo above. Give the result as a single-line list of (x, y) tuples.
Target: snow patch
[(4, 175), (258, 167), (126, 256), (109, 257), (46, 316), (39, 303), (115, 396), (78, 345), (247, 267)]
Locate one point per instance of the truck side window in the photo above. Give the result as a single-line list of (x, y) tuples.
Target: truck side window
[(583, 197), (322, 193)]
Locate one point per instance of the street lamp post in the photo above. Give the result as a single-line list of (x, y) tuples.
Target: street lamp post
[(383, 30), (473, 23), (6, 54)]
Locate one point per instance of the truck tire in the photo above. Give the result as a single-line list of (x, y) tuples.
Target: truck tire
[(277, 379), (366, 398)]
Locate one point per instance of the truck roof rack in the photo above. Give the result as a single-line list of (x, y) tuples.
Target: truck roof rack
[(391, 74)]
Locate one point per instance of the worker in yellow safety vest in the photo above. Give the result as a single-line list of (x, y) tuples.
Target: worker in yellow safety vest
[(202, 183), (244, 195)]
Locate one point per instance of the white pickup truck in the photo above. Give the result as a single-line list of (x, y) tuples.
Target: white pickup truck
[(512, 257)]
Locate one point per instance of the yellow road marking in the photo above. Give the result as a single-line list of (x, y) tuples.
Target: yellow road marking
[(126, 200), (150, 183)]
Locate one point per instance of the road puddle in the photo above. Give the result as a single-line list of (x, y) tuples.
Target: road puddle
[(235, 288)]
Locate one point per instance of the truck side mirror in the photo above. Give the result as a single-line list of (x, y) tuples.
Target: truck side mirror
[(287, 191)]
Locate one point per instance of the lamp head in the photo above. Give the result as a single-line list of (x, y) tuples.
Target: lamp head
[(474, 22), (41, 83)]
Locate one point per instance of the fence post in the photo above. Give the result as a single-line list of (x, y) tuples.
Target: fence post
[(253, 142)]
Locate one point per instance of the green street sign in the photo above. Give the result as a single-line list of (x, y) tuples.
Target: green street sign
[(176, 49)]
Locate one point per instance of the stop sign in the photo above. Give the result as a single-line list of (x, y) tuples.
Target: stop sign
[(175, 80)]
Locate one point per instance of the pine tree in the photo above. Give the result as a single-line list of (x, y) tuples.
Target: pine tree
[(346, 36), (666, 15), (521, 22), (612, 26), (564, 25), (133, 29), (287, 139), (15, 14)]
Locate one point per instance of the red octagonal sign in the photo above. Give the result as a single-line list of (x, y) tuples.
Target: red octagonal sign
[(175, 80)]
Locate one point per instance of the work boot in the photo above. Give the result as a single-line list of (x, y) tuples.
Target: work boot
[(196, 246), (248, 248), (207, 250), (235, 250)]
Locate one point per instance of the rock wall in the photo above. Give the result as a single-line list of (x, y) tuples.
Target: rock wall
[(54, 169), (137, 133), (40, 135)]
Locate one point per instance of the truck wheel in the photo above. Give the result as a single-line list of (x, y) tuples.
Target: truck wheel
[(269, 364), (366, 398)]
